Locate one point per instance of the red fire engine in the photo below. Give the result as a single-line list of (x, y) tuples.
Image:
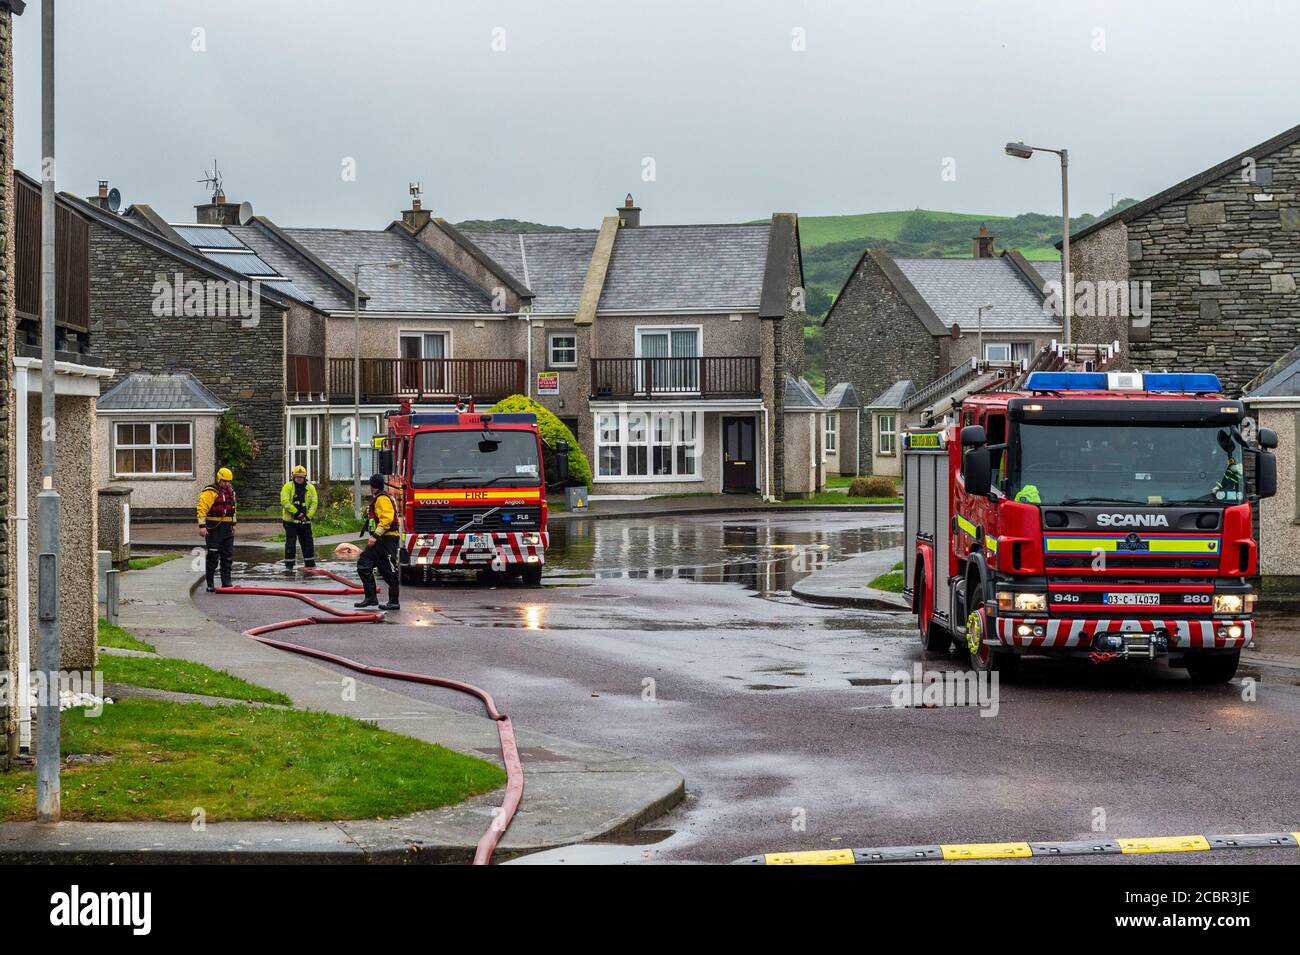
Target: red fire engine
[(470, 489), (1095, 514)]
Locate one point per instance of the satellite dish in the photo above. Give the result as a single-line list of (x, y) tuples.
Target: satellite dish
[(114, 200), (245, 213)]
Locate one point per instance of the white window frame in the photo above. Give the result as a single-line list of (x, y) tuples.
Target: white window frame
[(891, 433), (428, 382), (1000, 346), (551, 360), (640, 331), (311, 450), (364, 448), (154, 447), (831, 437), (624, 441)]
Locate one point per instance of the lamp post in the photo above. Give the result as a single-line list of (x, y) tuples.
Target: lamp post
[(979, 328), (356, 377), (1021, 151)]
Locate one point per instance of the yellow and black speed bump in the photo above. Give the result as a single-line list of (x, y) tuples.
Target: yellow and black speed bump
[(962, 852)]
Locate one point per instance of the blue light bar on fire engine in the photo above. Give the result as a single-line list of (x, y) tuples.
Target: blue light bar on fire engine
[(1122, 381)]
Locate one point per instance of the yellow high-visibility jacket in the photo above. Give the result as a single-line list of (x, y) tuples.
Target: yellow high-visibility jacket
[(382, 516), (310, 500)]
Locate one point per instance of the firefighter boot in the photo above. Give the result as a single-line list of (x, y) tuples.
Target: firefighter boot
[(392, 598), (288, 566), (371, 599)]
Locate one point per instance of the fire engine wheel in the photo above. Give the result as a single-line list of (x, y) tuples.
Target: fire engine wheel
[(1212, 667), (934, 639), (984, 657), (532, 576)]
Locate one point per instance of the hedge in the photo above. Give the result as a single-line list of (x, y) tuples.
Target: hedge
[(553, 430)]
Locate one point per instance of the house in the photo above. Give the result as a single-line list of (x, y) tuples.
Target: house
[(843, 424), (1200, 276), (1273, 397), (886, 413), (805, 431), (159, 429), (915, 319)]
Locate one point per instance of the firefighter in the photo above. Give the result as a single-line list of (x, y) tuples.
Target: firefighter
[(298, 502), (1229, 487), (216, 513), (381, 553)]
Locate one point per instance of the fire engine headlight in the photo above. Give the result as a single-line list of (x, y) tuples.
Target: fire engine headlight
[(532, 540), (1031, 603), (1228, 603)]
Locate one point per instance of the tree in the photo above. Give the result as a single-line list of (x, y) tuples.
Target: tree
[(235, 443), (553, 430)]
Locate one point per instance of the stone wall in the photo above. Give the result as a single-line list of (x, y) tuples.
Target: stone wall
[(873, 339), (1222, 262), (240, 363), (8, 610)]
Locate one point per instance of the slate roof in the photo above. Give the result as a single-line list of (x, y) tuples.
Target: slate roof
[(315, 288), (686, 267), (799, 395), (1050, 271), (955, 288), (842, 395), (552, 264), (894, 395), (1279, 380), (159, 391), (423, 284)]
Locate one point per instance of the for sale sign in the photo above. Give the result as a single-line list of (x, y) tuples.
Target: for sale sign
[(548, 382)]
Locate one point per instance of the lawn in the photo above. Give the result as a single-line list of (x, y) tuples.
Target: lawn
[(152, 560), (165, 760), (184, 676), (833, 497), (111, 635), (328, 526), (891, 580)]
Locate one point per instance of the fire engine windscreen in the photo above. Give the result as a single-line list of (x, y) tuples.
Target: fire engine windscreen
[(475, 459), (1127, 464)]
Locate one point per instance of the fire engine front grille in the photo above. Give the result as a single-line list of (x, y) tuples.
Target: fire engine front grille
[(1114, 562), (439, 520)]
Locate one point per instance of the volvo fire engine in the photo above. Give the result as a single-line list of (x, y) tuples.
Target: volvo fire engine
[(1093, 514), (470, 490)]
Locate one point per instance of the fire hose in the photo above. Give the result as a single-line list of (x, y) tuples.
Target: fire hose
[(502, 818)]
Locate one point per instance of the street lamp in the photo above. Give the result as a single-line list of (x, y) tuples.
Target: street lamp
[(356, 376), (1021, 151), (979, 328)]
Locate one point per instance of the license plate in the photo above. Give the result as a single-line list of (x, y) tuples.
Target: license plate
[(478, 542), (1141, 600)]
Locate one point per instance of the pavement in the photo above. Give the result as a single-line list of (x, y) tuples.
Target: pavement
[(844, 583), (573, 792)]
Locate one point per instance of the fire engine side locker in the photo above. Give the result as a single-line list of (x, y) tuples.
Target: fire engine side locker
[(926, 514)]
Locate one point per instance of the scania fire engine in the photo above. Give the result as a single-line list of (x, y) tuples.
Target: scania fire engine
[(470, 489), (1103, 515)]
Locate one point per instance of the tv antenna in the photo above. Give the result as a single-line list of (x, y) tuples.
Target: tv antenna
[(416, 189), (213, 179)]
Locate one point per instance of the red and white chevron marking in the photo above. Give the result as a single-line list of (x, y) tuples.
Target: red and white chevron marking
[(445, 550), (1184, 634)]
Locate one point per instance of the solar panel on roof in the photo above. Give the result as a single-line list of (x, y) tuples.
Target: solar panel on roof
[(247, 262), (208, 237), (288, 288)]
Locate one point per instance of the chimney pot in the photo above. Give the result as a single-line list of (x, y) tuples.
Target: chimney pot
[(629, 214), (103, 188), (982, 244)]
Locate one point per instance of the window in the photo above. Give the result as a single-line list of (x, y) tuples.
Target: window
[(670, 359), (304, 444), (831, 443), (643, 445), (887, 431), (420, 373), (153, 447), (341, 446), (562, 351), (1006, 351)]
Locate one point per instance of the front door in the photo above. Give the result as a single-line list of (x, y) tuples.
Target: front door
[(739, 447)]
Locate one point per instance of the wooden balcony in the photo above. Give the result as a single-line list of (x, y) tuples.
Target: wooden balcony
[(724, 377), (388, 380)]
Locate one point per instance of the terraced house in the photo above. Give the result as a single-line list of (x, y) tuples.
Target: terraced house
[(666, 349)]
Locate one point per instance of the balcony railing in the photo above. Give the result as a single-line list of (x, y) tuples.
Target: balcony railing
[(723, 377), (418, 379)]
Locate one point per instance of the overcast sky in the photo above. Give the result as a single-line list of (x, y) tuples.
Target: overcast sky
[(558, 126)]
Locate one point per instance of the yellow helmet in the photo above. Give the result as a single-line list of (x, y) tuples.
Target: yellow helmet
[(225, 474), (299, 469)]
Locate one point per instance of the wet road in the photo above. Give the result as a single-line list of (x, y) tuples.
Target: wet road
[(680, 641)]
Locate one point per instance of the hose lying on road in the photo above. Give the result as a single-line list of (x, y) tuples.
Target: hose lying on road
[(505, 731)]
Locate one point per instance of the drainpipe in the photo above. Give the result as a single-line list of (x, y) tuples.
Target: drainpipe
[(767, 464), (24, 572), (528, 360)]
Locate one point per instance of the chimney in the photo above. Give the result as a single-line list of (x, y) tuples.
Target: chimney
[(982, 244), (415, 217), (629, 216), (101, 199), (218, 211)]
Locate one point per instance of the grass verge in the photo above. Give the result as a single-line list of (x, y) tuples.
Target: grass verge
[(327, 527), (111, 635), (184, 676), (152, 560), (891, 580), (164, 760), (829, 497)]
